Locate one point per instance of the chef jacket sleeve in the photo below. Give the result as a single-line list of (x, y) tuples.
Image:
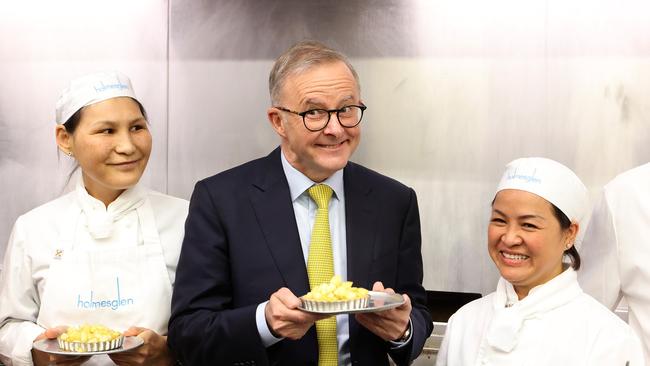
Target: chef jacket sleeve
[(441, 357), (599, 275), (617, 349), (19, 302)]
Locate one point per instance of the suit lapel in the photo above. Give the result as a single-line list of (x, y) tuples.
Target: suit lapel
[(360, 234), (271, 201)]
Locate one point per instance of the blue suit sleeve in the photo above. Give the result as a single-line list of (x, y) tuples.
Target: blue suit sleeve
[(205, 328), (409, 281)]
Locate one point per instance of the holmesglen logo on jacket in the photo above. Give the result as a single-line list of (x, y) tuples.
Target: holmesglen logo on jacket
[(112, 304)]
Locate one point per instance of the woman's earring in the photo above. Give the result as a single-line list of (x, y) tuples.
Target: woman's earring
[(568, 246)]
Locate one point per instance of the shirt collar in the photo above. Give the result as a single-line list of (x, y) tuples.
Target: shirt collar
[(128, 199), (556, 284), (100, 220), (299, 183)]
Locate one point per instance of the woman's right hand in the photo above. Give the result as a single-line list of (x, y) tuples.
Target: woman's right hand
[(44, 358)]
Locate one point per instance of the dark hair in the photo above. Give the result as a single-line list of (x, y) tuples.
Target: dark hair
[(565, 223), (72, 122)]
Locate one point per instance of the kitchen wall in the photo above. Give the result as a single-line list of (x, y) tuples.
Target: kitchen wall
[(455, 90)]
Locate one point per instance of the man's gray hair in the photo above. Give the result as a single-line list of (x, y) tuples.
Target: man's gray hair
[(301, 57)]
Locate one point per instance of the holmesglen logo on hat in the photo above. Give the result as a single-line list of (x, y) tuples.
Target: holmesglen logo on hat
[(526, 178), (103, 87)]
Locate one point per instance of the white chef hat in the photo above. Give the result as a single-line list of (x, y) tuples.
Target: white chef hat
[(550, 180), (91, 89)]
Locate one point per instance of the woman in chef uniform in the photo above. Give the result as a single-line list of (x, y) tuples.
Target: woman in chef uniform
[(104, 253), (538, 314)]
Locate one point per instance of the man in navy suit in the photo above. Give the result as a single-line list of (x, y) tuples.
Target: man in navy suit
[(243, 261)]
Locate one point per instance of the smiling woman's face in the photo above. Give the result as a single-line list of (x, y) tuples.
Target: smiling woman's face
[(112, 144), (525, 239)]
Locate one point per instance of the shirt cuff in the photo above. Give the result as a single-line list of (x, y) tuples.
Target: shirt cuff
[(398, 345), (268, 339)]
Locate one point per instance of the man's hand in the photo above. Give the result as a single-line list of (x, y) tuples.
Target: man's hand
[(153, 352), (283, 317), (389, 325), (42, 358)]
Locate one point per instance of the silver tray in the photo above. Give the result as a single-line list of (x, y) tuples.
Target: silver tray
[(379, 301), (52, 346)]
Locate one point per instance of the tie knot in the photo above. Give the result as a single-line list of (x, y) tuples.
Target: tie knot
[(321, 194)]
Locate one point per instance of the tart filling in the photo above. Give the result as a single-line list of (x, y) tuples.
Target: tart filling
[(90, 338), (336, 295)]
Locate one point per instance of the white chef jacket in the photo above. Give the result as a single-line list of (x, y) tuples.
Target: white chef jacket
[(35, 243), (556, 324), (616, 249)]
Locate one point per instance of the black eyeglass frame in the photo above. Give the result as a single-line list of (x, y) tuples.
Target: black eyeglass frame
[(329, 115)]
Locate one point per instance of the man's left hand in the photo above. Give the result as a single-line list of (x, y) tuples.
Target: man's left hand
[(389, 325)]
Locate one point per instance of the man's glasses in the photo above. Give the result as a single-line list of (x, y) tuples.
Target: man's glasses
[(317, 119)]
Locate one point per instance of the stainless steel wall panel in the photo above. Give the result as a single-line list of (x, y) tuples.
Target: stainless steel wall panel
[(43, 45), (455, 90)]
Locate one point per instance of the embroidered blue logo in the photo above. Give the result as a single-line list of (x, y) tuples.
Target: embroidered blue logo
[(112, 304), (526, 178), (102, 87)]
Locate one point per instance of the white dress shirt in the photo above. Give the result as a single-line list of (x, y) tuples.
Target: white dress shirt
[(305, 211)]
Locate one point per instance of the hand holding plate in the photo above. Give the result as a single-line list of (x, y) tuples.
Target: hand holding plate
[(43, 358), (389, 324), (285, 319)]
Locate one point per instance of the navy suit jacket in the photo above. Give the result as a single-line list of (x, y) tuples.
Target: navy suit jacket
[(242, 244)]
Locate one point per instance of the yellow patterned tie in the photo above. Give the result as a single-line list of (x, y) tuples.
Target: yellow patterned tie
[(320, 267)]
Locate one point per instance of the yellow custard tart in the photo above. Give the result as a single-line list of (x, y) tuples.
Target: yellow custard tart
[(90, 338), (336, 295)]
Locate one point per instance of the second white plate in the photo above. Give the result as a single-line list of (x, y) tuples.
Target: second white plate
[(379, 301)]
